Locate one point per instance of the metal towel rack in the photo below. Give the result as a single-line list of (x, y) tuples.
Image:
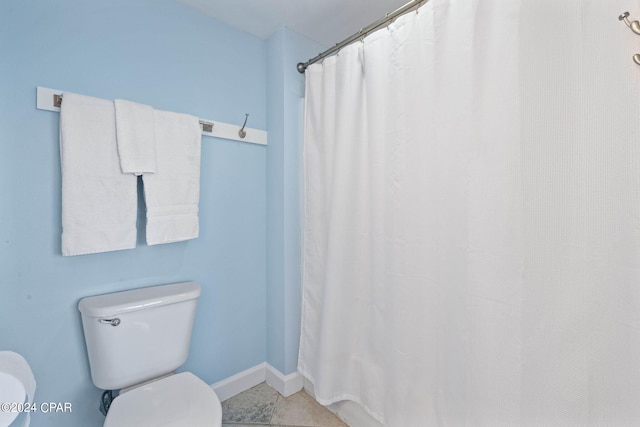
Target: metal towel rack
[(51, 100)]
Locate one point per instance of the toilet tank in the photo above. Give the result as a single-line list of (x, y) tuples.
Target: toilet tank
[(138, 335)]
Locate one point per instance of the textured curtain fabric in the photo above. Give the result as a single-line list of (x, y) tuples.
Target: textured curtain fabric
[(472, 218)]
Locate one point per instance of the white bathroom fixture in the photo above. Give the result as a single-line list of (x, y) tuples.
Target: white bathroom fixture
[(135, 340), (17, 387)]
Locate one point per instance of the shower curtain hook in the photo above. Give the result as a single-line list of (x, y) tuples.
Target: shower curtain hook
[(390, 23)]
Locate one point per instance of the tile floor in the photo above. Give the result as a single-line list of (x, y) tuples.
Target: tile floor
[(262, 406)]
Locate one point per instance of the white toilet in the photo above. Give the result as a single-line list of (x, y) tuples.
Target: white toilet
[(135, 340)]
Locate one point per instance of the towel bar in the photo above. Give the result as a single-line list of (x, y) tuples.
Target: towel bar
[(51, 100)]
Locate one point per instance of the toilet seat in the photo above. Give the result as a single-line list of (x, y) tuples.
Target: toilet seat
[(175, 401)]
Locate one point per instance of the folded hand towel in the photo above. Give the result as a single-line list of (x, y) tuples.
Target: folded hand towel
[(136, 137), (173, 192), (99, 202)]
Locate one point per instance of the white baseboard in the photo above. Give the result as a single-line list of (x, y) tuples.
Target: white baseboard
[(240, 382), (286, 385)]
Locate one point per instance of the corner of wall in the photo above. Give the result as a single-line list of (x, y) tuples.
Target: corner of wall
[(286, 385), (285, 85)]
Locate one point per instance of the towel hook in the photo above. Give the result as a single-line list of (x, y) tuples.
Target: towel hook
[(635, 27), (242, 133)]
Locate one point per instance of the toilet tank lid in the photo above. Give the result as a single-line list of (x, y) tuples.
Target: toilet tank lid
[(138, 299)]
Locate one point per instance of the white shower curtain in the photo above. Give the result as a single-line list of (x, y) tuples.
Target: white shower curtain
[(472, 218)]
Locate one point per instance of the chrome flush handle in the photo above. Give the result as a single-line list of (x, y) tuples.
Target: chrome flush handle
[(112, 322)]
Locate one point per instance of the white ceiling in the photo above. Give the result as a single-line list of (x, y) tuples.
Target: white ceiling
[(325, 21)]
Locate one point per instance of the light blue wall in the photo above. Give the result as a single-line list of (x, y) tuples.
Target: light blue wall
[(284, 93), (159, 53)]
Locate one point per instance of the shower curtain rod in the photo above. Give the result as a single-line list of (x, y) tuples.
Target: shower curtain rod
[(388, 18)]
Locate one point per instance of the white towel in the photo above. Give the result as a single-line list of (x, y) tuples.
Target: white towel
[(136, 137), (99, 202), (173, 192)]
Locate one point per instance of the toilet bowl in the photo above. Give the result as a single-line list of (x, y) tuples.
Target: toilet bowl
[(176, 401), (135, 341)]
